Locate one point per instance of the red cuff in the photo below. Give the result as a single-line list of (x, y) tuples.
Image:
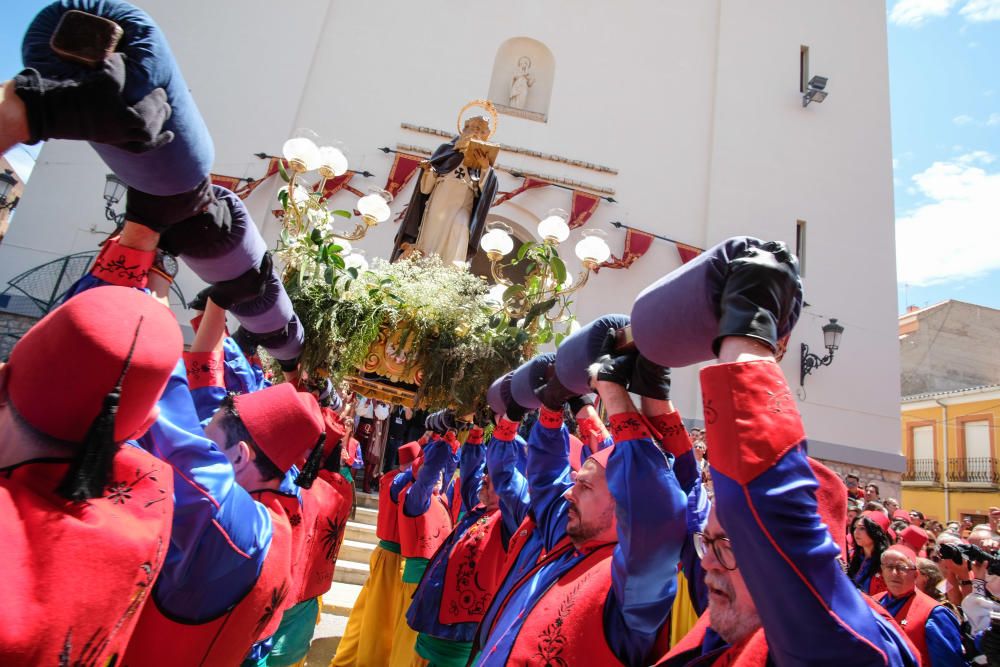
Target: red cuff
[(475, 436), (121, 265), (629, 426), (751, 419), (205, 369), (550, 418), (452, 441), (673, 436), (505, 430), (592, 428)]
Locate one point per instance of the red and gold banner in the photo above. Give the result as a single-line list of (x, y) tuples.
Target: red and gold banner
[(636, 245), (336, 184), (233, 183), (687, 252), (584, 205), (404, 166), (529, 184)]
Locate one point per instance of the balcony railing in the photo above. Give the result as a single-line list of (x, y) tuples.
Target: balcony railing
[(921, 470), (974, 470)]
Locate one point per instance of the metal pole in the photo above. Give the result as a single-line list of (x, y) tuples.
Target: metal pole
[(944, 444)]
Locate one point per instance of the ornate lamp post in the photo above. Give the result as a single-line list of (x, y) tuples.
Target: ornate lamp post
[(831, 340)]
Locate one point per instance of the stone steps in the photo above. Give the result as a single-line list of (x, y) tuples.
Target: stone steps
[(360, 532), (355, 551)]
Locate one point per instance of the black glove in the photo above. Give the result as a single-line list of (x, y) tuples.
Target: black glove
[(90, 107), (200, 300), (578, 403), (650, 380), (193, 218), (249, 285), (553, 394), (515, 411), (613, 366), (760, 293)]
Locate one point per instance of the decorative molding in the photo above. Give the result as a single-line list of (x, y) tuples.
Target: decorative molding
[(521, 113), (519, 172), (517, 149)]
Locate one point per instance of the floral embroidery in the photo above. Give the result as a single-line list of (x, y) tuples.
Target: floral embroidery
[(776, 402), (118, 268), (472, 599), (121, 492), (710, 413), (331, 539), (552, 642), (278, 596)]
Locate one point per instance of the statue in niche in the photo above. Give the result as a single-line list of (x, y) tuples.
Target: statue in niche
[(522, 80), (446, 215)]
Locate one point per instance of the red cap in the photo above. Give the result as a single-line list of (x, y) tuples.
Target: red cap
[(910, 554), (335, 430), (831, 503), (914, 537), (601, 457), (901, 515), (61, 370), (575, 452), (881, 520), (283, 422), (408, 452)]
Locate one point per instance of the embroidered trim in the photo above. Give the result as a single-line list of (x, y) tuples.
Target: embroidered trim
[(205, 369), (630, 426), (124, 266), (550, 418), (673, 436), (505, 430)]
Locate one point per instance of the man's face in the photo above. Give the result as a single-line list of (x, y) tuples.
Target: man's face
[(732, 610), (995, 519), (852, 482), (488, 495), (476, 128), (891, 506), (899, 573), (591, 506), (871, 493), (917, 521)]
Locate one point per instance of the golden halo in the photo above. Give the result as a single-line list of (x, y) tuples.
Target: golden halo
[(487, 106)]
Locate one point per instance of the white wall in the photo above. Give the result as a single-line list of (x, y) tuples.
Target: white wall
[(695, 103)]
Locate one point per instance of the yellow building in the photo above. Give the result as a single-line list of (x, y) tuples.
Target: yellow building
[(950, 444)]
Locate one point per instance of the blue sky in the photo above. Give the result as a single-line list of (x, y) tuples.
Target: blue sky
[(945, 91)]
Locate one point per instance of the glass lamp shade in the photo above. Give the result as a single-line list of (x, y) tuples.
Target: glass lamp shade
[(553, 227), (831, 334), (299, 195), (332, 161), (374, 208), (356, 261), (497, 241), (114, 188), (495, 295), (302, 154), (592, 250)]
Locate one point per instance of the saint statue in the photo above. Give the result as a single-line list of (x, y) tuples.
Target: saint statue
[(446, 215), (523, 80)]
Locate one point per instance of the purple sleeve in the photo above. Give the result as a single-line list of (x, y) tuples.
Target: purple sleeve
[(651, 511), (549, 476), (765, 495), (471, 469), (510, 484), (398, 482), (436, 457)]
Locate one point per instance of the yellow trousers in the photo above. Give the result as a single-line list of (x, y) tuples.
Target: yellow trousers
[(368, 638), (404, 641), (682, 617)]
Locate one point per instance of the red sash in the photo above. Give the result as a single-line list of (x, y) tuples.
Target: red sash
[(420, 536), (387, 524), (912, 617), (76, 575), (566, 624), (326, 507), (473, 572), (161, 640)]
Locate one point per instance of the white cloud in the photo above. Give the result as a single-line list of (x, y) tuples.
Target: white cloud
[(895, 163), (914, 13), (980, 11), (962, 119), (994, 119), (954, 235)]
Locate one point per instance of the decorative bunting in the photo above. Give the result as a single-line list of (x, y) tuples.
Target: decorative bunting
[(336, 184), (687, 252), (404, 166), (529, 184), (584, 205), (636, 245), (233, 183)]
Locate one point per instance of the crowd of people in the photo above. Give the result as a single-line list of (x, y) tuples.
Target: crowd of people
[(171, 506)]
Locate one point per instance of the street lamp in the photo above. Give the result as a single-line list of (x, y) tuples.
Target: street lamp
[(831, 340), (816, 92), (114, 190)]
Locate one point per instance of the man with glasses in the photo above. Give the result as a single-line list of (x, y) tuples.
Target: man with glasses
[(931, 626)]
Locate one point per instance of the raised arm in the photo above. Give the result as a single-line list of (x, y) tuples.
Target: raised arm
[(508, 480), (472, 465)]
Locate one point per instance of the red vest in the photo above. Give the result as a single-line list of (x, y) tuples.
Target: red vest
[(76, 575), (751, 652), (455, 502), (326, 507), (913, 619), (420, 536), (473, 573), (387, 524), (566, 624), (160, 640)]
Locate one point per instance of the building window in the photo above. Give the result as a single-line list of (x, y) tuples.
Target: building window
[(976, 458), (921, 466), (803, 68), (800, 245)]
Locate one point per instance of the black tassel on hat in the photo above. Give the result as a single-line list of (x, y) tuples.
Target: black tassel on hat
[(313, 464), (88, 473)]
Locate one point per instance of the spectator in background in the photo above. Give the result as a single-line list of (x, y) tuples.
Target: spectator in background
[(399, 419), (916, 518), (930, 578), (853, 483), (983, 536), (892, 506), (995, 519), (954, 527), (872, 537), (871, 493)]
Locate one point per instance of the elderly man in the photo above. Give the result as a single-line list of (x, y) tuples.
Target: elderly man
[(931, 626)]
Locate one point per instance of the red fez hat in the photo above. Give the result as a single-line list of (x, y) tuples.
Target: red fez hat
[(910, 554), (408, 452), (901, 515), (283, 422), (601, 457), (335, 431), (83, 346), (878, 518), (575, 452), (914, 537), (831, 503)]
